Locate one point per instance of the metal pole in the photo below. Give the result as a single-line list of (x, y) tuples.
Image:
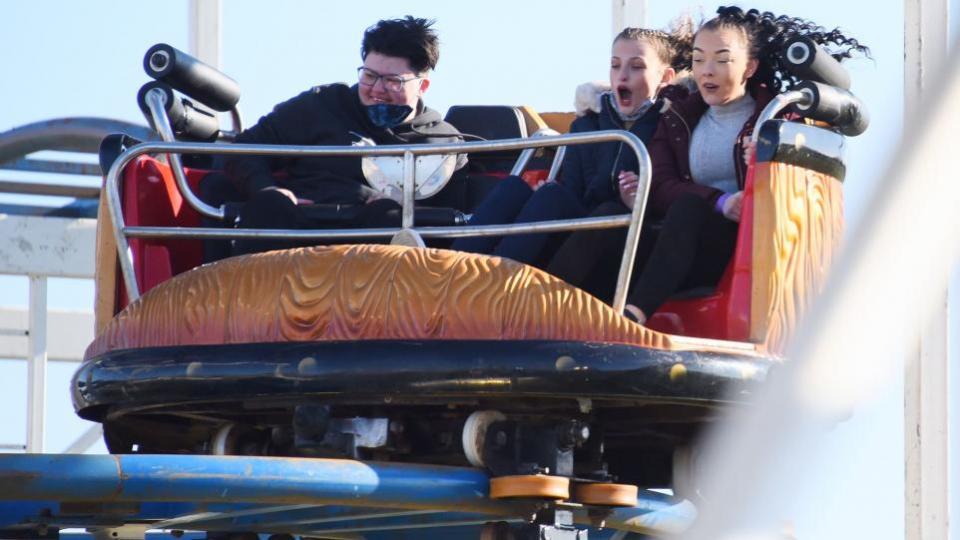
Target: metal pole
[(204, 41), (626, 13), (409, 175), (926, 387), (633, 234), (205, 31), (36, 363)]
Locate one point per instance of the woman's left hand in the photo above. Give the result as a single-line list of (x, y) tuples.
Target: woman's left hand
[(733, 206), (749, 148)]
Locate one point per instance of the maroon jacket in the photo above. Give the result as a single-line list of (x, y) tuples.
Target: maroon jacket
[(670, 152)]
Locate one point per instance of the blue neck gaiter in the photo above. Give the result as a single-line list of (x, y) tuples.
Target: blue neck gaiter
[(388, 115)]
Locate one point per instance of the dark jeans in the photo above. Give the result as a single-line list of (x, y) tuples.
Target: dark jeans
[(513, 201), (216, 190), (590, 259), (692, 250), (271, 209)]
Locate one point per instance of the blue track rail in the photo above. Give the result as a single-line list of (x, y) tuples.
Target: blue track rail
[(297, 496)]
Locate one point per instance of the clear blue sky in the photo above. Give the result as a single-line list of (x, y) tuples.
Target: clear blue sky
[(84, 59)]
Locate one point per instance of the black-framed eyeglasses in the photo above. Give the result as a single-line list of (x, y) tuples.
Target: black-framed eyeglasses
[(393, 83)]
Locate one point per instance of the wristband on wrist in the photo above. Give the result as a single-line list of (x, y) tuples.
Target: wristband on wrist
[(718, 206)]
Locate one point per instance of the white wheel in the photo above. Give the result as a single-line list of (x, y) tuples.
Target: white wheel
[(221, 443), (475, 432), (687, 472)]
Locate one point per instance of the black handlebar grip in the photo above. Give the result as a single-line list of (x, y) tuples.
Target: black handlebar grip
[(187, 120), (171, 103), (192, 77), (836, 106), (809, 61), (195, 123)]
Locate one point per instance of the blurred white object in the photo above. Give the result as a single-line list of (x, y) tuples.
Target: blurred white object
[(887, 282), (587, 97)]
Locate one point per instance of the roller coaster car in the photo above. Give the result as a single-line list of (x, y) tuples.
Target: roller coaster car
[(413, 354)]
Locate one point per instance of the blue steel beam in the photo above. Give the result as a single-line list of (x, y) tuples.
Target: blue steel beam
[(92, 513), (285, 518), (447, 533), (262, 480), (204, 480)]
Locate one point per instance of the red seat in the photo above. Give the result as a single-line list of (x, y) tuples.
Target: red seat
[(724, 313), (150, 197)]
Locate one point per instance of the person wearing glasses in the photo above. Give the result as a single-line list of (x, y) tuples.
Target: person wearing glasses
[(385, 107)]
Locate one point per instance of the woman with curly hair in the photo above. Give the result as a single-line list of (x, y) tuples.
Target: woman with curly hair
[(642, 63), (700, 154)]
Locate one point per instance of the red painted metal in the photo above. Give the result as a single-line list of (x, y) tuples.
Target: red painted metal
[(150, 197), (724, 314)]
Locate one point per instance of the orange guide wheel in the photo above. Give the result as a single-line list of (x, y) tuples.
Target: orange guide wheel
[(603, 494), (534, 486)]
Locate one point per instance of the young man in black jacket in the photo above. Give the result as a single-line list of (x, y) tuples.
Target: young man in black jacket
[(386, 107)]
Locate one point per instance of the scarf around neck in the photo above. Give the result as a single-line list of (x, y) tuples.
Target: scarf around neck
[(641, 110)]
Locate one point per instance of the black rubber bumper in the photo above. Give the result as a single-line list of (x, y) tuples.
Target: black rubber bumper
[(410, 371)]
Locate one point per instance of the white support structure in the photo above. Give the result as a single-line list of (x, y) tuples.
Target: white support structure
[(42, 247), (68, 333), (926, 386), (55, 247), (627, 13), (37, 364), (205, 31), (925, 43)]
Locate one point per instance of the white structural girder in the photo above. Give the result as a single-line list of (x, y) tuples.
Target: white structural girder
[(37, 364), (47, 246), (926, 26), (626, 13), (68, 333), (926, 381), (205, 29), (926, 437)]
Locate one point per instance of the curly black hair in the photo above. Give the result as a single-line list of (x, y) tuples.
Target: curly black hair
[(767, 34)]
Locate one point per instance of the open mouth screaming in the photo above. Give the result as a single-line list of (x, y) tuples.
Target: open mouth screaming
[(624, 97)]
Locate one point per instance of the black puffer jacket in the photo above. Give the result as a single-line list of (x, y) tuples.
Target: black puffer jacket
[(591, 170), (325, 115)]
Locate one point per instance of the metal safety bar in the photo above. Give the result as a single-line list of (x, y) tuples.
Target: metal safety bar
[(236, 120), (409, 152), (161, 122), (777, 104), (555, 166), (460, 231), (524, 159)]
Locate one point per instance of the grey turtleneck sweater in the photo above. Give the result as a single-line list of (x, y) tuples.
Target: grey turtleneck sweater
[(712, 141)]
